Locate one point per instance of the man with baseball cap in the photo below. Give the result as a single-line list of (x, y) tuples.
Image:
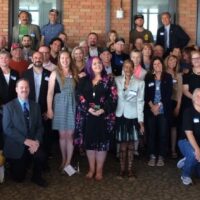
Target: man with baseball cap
[(139, 31), (118, 56), (52, 29)]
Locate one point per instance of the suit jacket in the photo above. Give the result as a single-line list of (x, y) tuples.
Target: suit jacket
[(33, 31), (177, 37), (42, 100), (7, 91), (130, 101), (166, 92), (15, 129)]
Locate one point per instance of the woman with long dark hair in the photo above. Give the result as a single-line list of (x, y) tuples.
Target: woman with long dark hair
[(158, 92)]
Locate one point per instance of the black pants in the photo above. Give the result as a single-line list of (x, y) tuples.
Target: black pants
[(18, 167), (158, 131)]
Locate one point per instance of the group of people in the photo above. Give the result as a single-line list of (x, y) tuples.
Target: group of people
[(90, 93)]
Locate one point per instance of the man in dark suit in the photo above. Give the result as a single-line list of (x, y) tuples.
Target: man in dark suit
[(38, 78), (23, 131), (8, 79), (171, 35)]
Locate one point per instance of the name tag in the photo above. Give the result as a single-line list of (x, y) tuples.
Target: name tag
[(174, 81), (196, 120), (46, 78), (161, 33), (121, 61), (13, 78), (151, 84)]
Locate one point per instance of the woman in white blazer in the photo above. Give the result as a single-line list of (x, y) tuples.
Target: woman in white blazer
[(129, 114)]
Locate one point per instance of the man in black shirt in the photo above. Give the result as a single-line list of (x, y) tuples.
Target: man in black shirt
[(190, 142)]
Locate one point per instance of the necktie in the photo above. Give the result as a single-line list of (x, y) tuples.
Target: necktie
[(26, 115)]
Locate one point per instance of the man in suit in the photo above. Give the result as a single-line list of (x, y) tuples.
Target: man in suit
[(171, 35), (26, 28), (23, 131), (8, 79), (38, 78)]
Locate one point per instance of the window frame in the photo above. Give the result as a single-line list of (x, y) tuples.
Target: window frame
[(172, 8)]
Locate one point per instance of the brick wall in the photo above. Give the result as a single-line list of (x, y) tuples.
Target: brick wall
[(187, 17), (4, 18), (81, 17)]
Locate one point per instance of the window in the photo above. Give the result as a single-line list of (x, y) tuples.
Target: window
[(151, 10), (37, 8)]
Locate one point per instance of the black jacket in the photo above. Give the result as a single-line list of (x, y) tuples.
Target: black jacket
[(177, 37)]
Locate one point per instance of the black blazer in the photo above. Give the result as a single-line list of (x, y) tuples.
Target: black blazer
[(15, 129), (166, 92), (177, 37), (42, 100), (7, 91)]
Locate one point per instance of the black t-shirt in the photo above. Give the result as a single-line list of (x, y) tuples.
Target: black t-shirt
[(192, 80), (191, 122)]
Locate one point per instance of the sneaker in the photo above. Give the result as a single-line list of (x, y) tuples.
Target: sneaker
[(186, 180), (152, 162), (160, 162), (181, 163)]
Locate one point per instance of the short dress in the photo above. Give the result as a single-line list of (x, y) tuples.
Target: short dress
[(64, 105), (95, 132)]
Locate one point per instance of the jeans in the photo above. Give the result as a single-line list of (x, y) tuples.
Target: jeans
[(157, 135), (191, 165)]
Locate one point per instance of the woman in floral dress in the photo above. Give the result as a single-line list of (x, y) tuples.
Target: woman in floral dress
[(97, 100)]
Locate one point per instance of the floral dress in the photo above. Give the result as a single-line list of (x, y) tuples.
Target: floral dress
[(94, 132)]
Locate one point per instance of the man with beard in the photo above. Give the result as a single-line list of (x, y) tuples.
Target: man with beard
[(26, 28), (140, 32), (27, 51), (38, 78), (23, 131), (92, 40)]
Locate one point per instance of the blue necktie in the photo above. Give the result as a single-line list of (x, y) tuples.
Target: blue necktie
[(26, 115)]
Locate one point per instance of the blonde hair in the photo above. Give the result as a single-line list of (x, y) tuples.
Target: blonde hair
[(71, 68)]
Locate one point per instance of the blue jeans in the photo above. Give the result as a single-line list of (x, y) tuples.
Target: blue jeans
[(191, 164)]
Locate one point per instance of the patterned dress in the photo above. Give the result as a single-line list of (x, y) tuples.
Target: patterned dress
[(64, 106), (95, 131)]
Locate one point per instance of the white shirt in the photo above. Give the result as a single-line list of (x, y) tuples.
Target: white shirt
[(37, 81), (7, 77)]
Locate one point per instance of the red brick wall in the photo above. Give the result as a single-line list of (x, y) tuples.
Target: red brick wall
[(81, 17), (187, 15), (4, 18)]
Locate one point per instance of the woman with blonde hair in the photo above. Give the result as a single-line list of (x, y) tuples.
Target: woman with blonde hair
[(61, 106), (172, 68), (79, 60)]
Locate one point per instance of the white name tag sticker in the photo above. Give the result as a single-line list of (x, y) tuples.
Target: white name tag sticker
[(174, 81), (13, 78), (161, 33), (196, 120), (46, 78), (151, 84), (133, 93)]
